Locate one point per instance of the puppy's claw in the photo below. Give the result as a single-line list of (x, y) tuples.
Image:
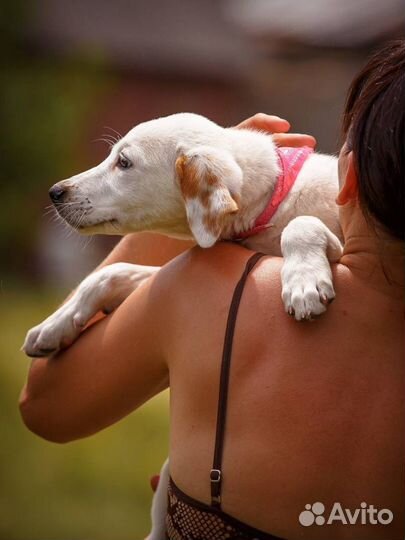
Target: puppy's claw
[(326, 300), (78, 322), (47, 351), (40, 353)]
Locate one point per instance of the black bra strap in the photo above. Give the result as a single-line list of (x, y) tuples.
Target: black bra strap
[(216, 471)]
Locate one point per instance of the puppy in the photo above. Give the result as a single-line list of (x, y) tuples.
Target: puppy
[(186, 177)]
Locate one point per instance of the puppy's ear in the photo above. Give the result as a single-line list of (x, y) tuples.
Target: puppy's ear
[(202, 173)]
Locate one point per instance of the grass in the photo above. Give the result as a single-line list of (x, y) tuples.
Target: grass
[(93, 489)]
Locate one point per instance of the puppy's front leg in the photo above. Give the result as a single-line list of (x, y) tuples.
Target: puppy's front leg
[(307, 246), (103, 290)]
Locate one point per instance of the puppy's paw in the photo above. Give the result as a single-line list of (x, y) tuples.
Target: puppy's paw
[(54, 334), (306, 291), (103, 290)]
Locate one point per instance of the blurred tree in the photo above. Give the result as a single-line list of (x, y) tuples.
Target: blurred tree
[(45, 103)]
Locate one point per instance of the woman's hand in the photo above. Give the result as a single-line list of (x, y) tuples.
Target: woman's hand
[(279, 128)]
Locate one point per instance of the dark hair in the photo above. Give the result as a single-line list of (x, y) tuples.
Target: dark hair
[(374, 127)]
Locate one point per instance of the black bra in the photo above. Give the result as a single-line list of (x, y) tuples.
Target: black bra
[(187, 518)]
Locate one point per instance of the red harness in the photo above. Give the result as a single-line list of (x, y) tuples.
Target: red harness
[(291, 162)]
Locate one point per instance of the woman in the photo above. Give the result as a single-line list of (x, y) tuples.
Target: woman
[(316, 412)]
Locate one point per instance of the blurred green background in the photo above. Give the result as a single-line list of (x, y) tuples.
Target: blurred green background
[(72, 72), (93, 488)]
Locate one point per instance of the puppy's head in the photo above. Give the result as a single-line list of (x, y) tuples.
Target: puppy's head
[(151, 183)]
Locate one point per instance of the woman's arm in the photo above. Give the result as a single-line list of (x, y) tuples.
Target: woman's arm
[(116, 365), (147, 249)]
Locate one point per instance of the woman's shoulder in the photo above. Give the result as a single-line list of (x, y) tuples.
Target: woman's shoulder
[(215, 271), (206, 278), (224, 261), (207, 275)]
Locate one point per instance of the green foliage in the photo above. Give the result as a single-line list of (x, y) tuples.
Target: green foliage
[(96, 488), (44, 108)]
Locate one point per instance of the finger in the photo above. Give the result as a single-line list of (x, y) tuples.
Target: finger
[(154, 482), (266, 122), (294, 139)]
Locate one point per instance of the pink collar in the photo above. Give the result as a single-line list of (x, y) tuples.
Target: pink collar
[(291, 161)]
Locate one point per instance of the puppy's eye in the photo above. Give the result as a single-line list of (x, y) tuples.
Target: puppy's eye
[(123, 162)]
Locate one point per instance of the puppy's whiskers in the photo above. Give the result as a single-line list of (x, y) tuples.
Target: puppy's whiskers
[(117, 136), (54, 207), (86, 242), (109, 138), (113, 224), (109, 142)]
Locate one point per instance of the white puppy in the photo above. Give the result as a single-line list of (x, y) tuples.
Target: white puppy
[(185, 176)]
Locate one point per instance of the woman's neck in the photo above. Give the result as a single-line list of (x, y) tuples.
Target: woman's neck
[(372, 255)]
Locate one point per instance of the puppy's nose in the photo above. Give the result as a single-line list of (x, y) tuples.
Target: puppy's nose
[(57, 193)]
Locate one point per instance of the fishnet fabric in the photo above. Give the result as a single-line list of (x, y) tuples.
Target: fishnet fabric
[(185, 522)]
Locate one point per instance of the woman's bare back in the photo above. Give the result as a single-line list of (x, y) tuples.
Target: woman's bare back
[(316, 410)]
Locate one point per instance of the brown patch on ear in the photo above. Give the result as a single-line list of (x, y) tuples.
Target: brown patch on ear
[(212, 180), (213, 224), (215, 200), (191, 183), (188, 178), (215, 221)]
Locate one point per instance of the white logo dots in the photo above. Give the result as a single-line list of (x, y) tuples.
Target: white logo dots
[(312, 514)]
